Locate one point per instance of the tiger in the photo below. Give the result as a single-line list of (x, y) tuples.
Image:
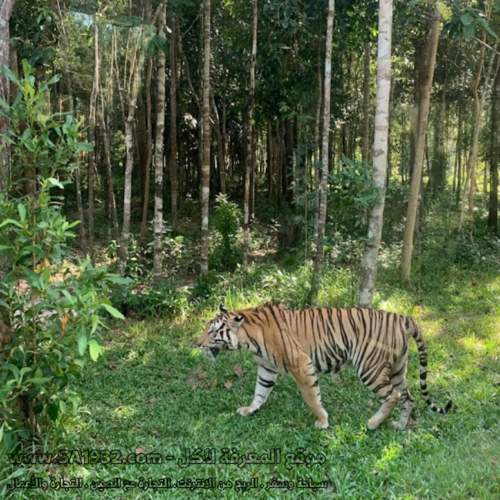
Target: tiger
[(305, 342)]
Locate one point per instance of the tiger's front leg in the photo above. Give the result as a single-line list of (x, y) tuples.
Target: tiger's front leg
[(266, 378)]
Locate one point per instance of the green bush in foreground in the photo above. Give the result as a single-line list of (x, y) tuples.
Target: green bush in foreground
[(51, 309)]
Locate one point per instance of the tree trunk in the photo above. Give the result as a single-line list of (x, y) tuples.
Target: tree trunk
[(318, 264), (249, 156), (109, 175), (160, 128), (92, 139), (365, 145), (220, 147), (205, 169), (494, 154), (425, 95), (5, 13), (380, 150), (129, 146), (149, 152), (173, 124)]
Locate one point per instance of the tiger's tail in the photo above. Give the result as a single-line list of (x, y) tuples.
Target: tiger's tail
[(422, 354)]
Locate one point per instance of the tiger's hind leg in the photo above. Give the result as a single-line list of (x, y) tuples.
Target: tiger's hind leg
[(266, 378), (307, 380), (381, 385), (400, 383)]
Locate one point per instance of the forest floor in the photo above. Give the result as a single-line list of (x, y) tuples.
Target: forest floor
[(153, 393)]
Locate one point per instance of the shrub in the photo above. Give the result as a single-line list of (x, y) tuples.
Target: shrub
[(51, 305)]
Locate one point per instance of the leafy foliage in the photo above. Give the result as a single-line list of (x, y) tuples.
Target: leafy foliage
[(52, 306)]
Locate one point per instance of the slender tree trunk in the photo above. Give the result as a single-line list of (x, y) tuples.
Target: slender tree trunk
[(365, 145), (494, 154), (92, 139), (221, 162), (380, 150), (160, 128), (249, 156), (317, 144), (109, 175), (149, 152), (425, 95), (173, 124), (78, 184), (6, 9), (318, 264), (205, 169)]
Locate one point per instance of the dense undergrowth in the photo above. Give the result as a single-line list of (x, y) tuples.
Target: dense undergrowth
[(153, 393)]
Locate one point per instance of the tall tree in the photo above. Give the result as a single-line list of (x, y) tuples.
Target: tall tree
[(425, 83), (160, 127), (494, 154), (6, 9), (365, 144), (318, 264), (92, 136), (380, 149), (249, 156), (173, 122), (205, 168)]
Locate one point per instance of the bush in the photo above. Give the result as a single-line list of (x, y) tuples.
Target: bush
[(51, 305), (227, 222)]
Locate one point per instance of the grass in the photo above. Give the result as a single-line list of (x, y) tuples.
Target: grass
[(152, 392)]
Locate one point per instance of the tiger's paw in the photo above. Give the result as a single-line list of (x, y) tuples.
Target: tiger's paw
[(321, 424), (373, 424), (244, 410)]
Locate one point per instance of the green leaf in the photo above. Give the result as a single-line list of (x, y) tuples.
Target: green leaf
[(466, 19), (94, 349), (22, 211), (10, 75), (55, 182), (469, 31), (82, 342), (486, 27), (10, 221), (86, 147), (54, 79), (114, 312), (14, 369), (119, 280)]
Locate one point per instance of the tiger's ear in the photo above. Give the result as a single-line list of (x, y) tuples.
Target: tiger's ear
[(222, 309)]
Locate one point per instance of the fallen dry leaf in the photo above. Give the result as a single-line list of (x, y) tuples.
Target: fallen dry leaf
[(238, 370), (214, 384), (495, 461), (256, 474), (194, 387), (120, 408), (228, 384), (113, 366), (152, 400), (139, 451)]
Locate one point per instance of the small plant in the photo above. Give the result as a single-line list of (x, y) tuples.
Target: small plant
[(227, 222), (51, 309)]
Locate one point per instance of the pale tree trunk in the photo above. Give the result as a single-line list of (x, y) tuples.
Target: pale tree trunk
[(149, 154), (380, 150), (129, 146), (173, 123), (470, 183), (160, 127), (365, 144), (317, 144), (221, 161), (318, 264), (494, 154), (6, 9), (423, 115), (78, 184), (93, 154), (249, 155), (109, 175), (205, 168)]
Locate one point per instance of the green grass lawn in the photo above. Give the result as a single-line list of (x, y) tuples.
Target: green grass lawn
[(152, 392)]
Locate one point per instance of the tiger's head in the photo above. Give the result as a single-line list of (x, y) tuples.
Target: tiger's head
[(220, 333)]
